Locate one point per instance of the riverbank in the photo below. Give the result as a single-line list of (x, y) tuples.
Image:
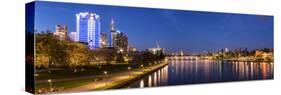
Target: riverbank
[(147, 72), (117, 80)]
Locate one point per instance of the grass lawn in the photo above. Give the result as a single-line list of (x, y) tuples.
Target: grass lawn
[(65, 84), (86, 71)]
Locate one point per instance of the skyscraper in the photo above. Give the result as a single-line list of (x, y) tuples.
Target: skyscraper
[(73, 36), (121, 41), (103, 39), (118, 39), (88, 29), (112, 33)]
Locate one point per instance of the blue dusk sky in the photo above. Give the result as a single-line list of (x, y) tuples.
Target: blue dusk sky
[(175, 30)]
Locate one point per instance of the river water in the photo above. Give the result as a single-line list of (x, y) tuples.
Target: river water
[(204, 71)]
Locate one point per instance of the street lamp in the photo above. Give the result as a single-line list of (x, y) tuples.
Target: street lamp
[(129, 68), (36, 75), (50, 83), (105, 72), (142, 68)]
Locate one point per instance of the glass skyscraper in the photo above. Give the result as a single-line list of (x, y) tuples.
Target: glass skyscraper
[(118, 39), (88, 29)]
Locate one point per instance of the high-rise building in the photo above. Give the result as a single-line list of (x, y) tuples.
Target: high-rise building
[(61, 32), (121, 41), (118, 39), (88, 29), (112, 33), (103, 39), (113, 36), (112, 25), (73, 36)]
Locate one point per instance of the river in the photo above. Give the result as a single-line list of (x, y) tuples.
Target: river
[(179, 72)]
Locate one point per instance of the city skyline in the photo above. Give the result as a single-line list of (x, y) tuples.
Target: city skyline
[(81, 47), (175, 30)]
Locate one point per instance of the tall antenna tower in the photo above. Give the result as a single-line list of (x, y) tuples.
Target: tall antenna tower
[(112, 26), (158, 46)]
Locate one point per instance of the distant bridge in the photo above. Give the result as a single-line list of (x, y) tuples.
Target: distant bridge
[(184, 57)]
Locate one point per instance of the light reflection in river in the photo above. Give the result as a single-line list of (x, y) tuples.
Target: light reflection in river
[(149, 81), (141, 84), (203, 71)]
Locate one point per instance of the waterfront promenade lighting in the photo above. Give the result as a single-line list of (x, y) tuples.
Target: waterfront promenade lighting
[(129, 68), (105, 72), (50, 83), (142, 68), (36, 75)]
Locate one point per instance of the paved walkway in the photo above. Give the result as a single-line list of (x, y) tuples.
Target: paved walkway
[(114, 79)]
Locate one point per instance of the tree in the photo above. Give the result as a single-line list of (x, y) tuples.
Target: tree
[(42, 58), (77, 55), (42, 51), (50, 51), (109, 55), (120, 58)]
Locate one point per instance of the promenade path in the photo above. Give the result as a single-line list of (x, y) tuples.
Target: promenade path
[(112, 80)]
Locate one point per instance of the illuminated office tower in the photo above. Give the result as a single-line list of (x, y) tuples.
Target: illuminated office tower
[(88, 29), (118, 40), (103, 42), (113, 33)]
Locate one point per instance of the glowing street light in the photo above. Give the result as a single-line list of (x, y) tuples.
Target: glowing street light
[(105, 72), (36, 75), (129, 68), (142, 68), (50, 83)]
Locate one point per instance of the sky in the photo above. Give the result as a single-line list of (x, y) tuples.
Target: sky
[(175, 30)]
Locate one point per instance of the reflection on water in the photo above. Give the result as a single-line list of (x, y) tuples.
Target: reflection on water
[(202, 71)]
